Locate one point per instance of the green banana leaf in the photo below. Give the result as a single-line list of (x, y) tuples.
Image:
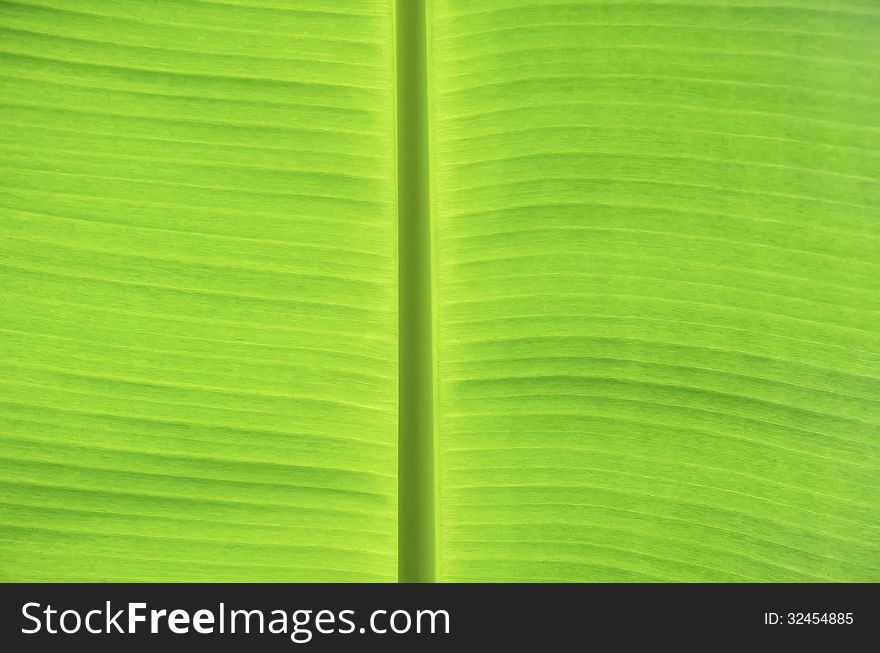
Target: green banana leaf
[(659, 262), (199, 291), (652, 345)]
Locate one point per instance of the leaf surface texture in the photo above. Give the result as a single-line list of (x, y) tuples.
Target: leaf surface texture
[(658, 244), (199, 291)]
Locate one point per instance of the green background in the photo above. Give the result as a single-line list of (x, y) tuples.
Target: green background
[(658, 268), (199, 291), (636, 315)]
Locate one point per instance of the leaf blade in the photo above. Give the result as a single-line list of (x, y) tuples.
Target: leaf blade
[(199, 282), (657, 248)]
